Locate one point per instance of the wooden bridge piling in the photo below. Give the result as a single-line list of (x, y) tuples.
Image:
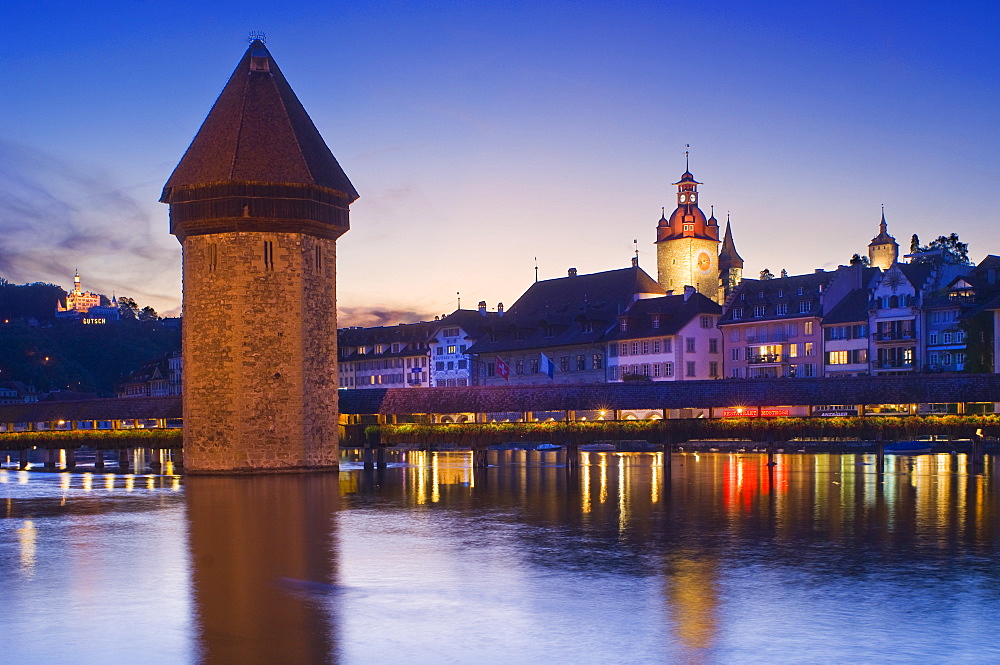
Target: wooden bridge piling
[(70, 458), (880, 454), (123, 462), (98, 459), (155, 464), (22, 459), (977, 459), (572, 456)]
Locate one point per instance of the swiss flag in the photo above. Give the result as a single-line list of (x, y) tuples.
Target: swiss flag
[(503, 369)]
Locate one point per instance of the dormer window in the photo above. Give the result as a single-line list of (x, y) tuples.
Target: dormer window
[(588, 327), (623, 325), (656, 321)]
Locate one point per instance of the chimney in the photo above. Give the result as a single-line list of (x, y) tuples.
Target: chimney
[(482, 308), (688, 292), (500, 308), (571, 272)]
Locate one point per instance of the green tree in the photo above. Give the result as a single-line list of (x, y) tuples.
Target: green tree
[(147, 313), (914, 244), (857, 259), (947, 250), (128, 309), (766, 274)]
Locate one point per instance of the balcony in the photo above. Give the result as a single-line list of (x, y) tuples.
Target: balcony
[(901, 336), (765, 359), (895, 364)]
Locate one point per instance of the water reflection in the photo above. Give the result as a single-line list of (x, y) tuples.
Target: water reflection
[(714, 558), (737, 549), (262, 573)]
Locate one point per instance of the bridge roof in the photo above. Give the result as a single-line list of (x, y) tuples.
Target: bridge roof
[(131, 408), (915, 389)]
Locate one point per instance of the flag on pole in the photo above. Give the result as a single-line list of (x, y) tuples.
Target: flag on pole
[(503, 369), (548, 367)]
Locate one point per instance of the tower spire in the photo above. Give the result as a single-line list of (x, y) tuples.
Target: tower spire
[(687, 161)]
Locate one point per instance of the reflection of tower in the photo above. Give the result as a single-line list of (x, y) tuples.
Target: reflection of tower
[(883, 250), (258, 202), (691, 589), (262, 553), (687, 244), (730, 263)]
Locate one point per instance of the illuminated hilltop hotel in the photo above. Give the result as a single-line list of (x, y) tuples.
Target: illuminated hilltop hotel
[(86, 306)]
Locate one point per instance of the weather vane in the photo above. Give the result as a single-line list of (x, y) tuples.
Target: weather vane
[(257, 36), (687, 162)]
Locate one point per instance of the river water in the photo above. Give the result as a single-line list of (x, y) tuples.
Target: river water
[(719, 559)]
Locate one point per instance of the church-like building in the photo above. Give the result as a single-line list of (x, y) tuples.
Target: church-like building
[(688, 251)]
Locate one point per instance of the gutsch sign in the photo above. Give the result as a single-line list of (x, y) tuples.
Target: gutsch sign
[(753, 412)]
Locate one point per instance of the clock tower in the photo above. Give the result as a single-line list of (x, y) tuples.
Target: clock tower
[(687, 244)]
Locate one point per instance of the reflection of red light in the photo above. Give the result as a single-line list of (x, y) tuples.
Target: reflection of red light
[(747, 478)]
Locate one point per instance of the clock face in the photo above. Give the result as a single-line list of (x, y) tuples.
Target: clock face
[(692, 198), (704, 262), (683, 198)]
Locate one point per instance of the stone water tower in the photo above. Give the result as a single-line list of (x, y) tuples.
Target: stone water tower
[(257, 203)]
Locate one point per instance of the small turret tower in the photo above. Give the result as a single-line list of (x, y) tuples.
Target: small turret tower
[(257, 203), (730, 264), (883, 250)]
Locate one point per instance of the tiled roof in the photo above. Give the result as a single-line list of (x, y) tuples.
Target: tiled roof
[(852, 308), (95, 409), (918, 388), (258, 131), (765, 293), (674, 313), (569, 310), (469, 320)]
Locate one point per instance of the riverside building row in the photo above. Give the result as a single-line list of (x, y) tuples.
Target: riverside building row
[(701, 320)]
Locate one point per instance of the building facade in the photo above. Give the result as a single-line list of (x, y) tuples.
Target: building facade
[(556, 332), (671, 338)]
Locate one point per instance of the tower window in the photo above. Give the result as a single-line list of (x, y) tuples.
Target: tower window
[(319, 259), (213, 257), (268, 255)]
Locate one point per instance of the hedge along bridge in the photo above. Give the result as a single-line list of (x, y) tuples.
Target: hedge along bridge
[(151, 424), (684, 410), (139, 433)]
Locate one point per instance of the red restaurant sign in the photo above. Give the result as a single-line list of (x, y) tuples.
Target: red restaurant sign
[(752, 412)]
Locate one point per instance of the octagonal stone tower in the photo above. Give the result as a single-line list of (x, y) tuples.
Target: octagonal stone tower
[(257, 203)]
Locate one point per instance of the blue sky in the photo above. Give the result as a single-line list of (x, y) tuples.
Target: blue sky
[(482, 136)]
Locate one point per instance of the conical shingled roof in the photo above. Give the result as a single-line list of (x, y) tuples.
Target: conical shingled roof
[(728, 257), (258, 131)]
